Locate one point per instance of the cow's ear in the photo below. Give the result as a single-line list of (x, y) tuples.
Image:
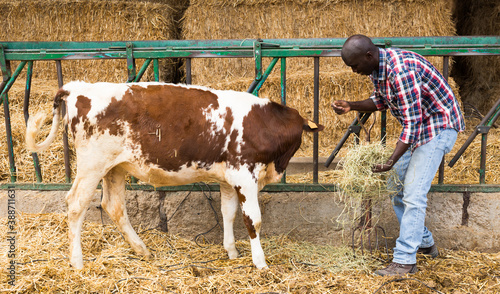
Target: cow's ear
[(310, 126)]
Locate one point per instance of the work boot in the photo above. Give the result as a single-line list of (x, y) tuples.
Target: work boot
[(397, 269), (431, 252)]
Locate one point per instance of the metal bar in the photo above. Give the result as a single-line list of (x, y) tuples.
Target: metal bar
[(11, 80), (476, 44), (257, 52), (27, 93), (446, 63), (283, 97), (482, 165), (364, 118), (283, 81), (494, 111), (252, 86), (10, 145), (221, 53), (8, 127), (383, 127), (156, 69), (67, 165), (130, 61), (188, 71), (143, 69), (316, 119), (264, 76), (495, 115)]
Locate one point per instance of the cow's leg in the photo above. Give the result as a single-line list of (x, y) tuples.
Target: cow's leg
[(78, 200), (247, 196), (113, 201), (229, 206)]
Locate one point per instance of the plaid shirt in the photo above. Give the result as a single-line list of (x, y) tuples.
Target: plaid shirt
[(417, 95)]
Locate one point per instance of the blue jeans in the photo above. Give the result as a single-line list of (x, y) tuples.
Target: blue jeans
[(416, 170)]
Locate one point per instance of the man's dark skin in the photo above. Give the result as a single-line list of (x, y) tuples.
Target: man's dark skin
[(363, 58)]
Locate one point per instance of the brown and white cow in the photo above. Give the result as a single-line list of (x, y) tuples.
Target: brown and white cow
[(167, 134)]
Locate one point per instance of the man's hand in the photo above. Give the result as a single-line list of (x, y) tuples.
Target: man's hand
[(341, 107), (398, 152), (378, 168)]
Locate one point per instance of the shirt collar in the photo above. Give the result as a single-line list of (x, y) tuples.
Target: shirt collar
[(380, 74)]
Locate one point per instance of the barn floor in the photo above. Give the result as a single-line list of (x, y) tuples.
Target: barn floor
[(182, 266)]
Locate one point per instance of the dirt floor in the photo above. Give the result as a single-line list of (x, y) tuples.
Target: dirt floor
[(184, 266)]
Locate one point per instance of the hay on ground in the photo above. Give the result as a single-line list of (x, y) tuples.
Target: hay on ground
[(180, 266)]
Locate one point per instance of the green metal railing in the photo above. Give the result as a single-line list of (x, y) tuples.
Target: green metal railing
[(276, 49)]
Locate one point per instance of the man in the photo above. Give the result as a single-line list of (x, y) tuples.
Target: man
[(423, 102)]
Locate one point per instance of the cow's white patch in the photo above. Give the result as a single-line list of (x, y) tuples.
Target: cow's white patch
[(240, 104)]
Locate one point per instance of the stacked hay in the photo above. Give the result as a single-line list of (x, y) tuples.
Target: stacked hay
[(219, 19), (70, 20), (95, 20), (479, 76), (180, 266)]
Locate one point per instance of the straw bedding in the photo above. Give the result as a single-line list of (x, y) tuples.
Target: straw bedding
[(181, 266)]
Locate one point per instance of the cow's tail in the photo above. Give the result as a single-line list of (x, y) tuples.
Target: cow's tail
[(36, 121)]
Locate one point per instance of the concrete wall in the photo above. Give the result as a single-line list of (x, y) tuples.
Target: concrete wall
[(312, 217)]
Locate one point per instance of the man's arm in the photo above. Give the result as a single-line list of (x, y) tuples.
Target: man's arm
[(342, 106)]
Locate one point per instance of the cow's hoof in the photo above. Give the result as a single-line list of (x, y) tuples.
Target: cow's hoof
[(77, 264), (262, 266), (233, 254)]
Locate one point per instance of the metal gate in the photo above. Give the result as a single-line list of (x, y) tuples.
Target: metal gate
[(276, 49)]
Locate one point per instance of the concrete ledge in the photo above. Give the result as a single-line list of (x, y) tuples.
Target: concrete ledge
[(300, 165), (316, 217)]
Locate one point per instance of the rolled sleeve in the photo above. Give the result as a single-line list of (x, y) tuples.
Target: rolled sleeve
[(379, 101)]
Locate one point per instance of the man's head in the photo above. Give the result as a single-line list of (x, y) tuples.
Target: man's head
[(360, 54)]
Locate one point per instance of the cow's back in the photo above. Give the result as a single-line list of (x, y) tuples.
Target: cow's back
[(173, 126)]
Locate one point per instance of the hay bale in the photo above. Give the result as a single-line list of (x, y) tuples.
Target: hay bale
[(218, 19), (95, 20), (478, 76)]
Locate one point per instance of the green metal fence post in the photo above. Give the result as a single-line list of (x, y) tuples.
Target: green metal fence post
[(189, 79), (143, 69), (156, 69), (67, 164), (27, 93), (257, 49), (264, 76), (283, 97), (316, 120), (130, 61)]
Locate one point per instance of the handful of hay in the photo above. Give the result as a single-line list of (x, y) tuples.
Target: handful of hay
[(359, 181)]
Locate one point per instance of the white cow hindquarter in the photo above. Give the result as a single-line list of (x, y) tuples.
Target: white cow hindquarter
[(247, 188)]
